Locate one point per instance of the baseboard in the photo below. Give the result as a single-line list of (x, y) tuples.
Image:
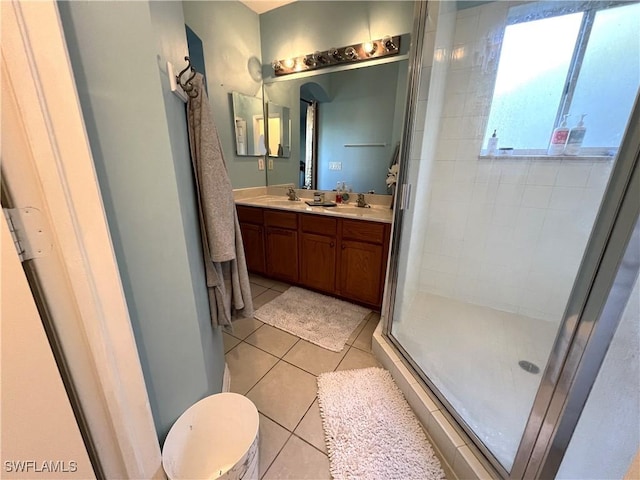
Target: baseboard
[(226, 379)]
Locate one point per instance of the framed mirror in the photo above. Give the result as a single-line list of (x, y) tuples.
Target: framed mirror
[(278, 130), (248, 123)]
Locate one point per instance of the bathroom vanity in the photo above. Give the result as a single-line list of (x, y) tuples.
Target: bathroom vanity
[(341, 251)]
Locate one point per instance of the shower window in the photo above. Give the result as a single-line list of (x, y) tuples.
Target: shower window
[(561, 64)]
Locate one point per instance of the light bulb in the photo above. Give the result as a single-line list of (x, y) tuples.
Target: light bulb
[(335, 54), (369, 47), (387, 43), (351, 53), (289, 63)]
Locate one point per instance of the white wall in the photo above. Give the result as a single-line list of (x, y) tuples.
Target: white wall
[(505, 233), (230, 34)]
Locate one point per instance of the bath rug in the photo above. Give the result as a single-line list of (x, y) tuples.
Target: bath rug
[(370, 430), (319, 319)]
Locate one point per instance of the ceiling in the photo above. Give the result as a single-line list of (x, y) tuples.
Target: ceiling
[(261, 6)]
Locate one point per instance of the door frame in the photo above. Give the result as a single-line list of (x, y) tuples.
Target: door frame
[(56, 172)]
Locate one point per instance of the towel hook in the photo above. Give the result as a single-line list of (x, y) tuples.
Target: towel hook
[(187, 86)]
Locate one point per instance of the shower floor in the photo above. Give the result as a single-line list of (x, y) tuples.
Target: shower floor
[(471, 354)]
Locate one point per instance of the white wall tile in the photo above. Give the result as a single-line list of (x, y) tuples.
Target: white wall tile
[(536, 196), (466, 29), (566, 198), (454, 105), (599, 175), (509, 194), (506, 232), (542, 172), (573, 174)]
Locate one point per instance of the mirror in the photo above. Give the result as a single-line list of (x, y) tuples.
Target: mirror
[(249, 128), (278, 130), (354, 131)]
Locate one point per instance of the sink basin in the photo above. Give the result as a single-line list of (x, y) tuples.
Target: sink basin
[(356, 210), (285, 203)]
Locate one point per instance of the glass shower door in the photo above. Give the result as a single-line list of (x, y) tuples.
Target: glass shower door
[(492, 242)]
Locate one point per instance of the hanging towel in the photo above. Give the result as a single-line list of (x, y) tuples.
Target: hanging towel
[(225, 264)]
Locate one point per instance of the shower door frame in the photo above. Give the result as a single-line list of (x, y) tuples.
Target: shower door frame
[(602, 288)]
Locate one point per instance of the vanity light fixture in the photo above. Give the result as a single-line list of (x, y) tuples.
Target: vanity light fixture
[(358, 52)]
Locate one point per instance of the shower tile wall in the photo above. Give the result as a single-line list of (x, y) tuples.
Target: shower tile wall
[(504, 233)]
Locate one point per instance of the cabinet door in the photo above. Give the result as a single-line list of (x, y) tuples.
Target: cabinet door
[(253, 240), (361, 271), (318, 262), (282, 254)]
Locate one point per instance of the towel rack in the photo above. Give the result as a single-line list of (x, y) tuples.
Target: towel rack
[(365, 144)]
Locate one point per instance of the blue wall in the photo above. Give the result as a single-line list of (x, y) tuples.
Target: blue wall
[(230, 34), (362, 110), (138, 136)]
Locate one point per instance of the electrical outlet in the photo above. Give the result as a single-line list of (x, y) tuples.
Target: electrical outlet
[(271, 164), (261, 164), (335, 165)]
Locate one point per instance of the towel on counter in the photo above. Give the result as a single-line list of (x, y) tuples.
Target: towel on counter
[(225, 264)]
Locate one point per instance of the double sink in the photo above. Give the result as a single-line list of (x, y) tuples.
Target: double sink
[(376, 213)]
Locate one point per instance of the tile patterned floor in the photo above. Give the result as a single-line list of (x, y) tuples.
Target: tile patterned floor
[(278, 371)]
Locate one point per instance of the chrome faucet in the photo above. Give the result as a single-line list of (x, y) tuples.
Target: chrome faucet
[(361, 201), (291, 193)]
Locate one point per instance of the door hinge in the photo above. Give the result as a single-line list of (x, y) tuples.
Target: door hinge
[(27, 227)]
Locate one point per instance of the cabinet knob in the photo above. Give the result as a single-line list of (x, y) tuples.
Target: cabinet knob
[(343, 247), (331, 244)]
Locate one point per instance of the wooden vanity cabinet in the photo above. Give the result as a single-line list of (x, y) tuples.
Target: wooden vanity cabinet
[(318, 246), (337, 256), (281, 234), (251, 226), (361, 260)]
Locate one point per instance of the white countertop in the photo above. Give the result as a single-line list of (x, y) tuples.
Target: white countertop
[(376, 213)]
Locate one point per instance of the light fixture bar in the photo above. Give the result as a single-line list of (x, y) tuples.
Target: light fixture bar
[(358, 52)]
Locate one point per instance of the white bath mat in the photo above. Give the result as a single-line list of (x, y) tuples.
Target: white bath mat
[(323, 320), (370, 430)]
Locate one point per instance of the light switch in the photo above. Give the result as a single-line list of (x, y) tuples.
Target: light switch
[(271, 164), (335, 165), (261, 164)]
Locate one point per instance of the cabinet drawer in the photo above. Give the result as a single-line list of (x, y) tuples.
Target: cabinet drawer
[(249, 214), (372, 232), (276, 218), (318, 224)]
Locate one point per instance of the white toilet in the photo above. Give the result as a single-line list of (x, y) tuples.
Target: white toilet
[(216, 437)]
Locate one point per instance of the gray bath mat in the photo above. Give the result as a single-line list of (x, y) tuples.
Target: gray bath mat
[(370, 430), (319, 319)]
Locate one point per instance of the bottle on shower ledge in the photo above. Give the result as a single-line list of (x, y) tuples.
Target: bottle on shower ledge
[(492, 145), (559, 138), (575, 138)]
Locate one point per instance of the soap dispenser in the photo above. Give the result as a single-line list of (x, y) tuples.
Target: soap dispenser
[(559, 138), (576, 136), (492, 145)]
